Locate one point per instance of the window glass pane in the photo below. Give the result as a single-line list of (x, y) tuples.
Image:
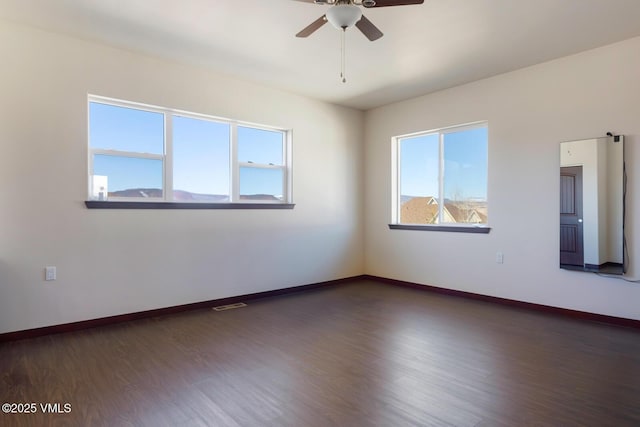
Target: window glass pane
[(465, 176), (261, 184), (128, 176), (260, 146), (200, 160), (125, 129), (419, 179)]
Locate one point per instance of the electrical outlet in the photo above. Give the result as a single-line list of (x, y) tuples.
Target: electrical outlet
[(49, 273), (499, 257)]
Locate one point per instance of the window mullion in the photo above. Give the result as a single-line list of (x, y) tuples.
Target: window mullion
[(168, 157), (91, 174), (260, 165), (119, 153), (288, 159), (234, 182), (441, 178), (398, 178)]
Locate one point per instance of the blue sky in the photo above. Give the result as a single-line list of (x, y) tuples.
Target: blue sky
[(200, 156), (465, 165), (200, 152)]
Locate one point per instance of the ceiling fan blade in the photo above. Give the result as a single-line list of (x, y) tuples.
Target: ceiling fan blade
[(311, 28), (385, 3), (368, 29)]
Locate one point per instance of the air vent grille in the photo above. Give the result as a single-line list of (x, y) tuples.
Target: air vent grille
[(229, 306)]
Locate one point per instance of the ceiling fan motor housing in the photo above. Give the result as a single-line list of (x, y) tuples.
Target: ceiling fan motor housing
[(344, 15)]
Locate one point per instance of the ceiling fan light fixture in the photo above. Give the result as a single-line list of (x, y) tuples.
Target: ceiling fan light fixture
[(343, 16)]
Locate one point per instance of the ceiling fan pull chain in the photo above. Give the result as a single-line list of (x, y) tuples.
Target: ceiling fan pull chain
[(343, 70)]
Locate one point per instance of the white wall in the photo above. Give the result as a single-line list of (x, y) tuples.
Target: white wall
[(529, 112), (119, 261)]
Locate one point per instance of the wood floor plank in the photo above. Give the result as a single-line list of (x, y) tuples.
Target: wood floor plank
[(358, 354)]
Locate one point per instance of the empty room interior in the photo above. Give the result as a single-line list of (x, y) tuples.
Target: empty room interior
[(320, 213)]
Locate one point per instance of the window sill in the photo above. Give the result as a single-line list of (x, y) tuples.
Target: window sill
[(450, 228), (97, 204)]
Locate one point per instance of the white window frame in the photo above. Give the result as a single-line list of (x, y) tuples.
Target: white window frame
[(167, 156), (396, 167), (286, 160)]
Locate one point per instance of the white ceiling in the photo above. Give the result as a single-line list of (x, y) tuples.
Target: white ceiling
[(439, 44)]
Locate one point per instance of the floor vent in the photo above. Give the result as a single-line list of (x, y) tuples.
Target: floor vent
[(229, 306)]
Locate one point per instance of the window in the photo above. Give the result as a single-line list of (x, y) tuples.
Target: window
[(441, 177), (144, 153), (261, 159)]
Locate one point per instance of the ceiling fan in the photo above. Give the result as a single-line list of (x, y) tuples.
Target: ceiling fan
[(344, 14)]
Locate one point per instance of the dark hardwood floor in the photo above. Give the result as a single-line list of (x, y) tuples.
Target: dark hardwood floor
[(357, 354)]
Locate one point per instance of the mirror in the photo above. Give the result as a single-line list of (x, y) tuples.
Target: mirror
[(592, 205)]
